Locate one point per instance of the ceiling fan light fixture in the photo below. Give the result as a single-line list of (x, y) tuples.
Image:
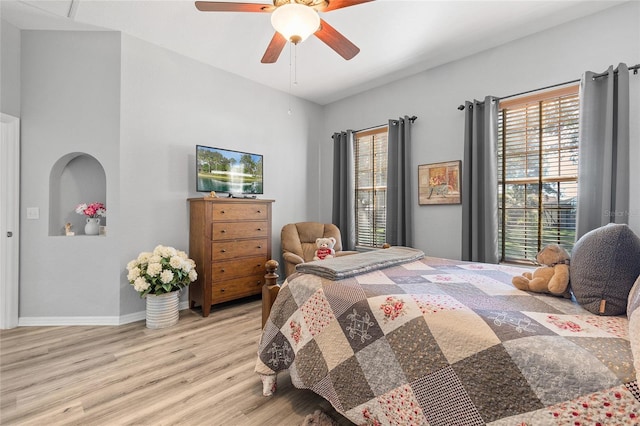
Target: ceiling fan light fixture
[(295, 21)]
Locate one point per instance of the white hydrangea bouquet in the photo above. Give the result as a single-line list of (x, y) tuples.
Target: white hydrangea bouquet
[(162, 271)]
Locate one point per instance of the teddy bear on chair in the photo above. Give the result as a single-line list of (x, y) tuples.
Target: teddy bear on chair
[(552, 277), (325, 248)]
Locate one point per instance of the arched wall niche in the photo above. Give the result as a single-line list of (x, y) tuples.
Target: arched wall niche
[(74, 179)]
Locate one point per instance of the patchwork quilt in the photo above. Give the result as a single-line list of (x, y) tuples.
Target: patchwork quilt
[(443, 342)]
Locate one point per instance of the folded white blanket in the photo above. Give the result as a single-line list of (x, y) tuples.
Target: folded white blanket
[(346, 266)]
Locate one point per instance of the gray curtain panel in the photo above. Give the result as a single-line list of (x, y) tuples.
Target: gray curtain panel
[(480, 182), (343, 212), (399, 226), (603, 167)]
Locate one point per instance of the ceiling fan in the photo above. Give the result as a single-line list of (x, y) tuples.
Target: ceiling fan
[(294, 21)]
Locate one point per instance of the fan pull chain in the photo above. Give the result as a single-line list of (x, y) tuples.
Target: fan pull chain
[(295, 64), (290, 72)]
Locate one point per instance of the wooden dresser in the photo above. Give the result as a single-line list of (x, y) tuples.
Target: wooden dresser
[(230, 241)]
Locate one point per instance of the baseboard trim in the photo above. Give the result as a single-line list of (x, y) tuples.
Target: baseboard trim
[(109, 320), (58, 321)]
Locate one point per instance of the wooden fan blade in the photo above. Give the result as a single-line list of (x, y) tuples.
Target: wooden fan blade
[(332, 38), (339, 4), (220, 6), (274, 49)]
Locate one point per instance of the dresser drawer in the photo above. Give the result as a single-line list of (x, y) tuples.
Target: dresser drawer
[(227, 269), (236, 230), (222, 212), (223, 291), (223, 250)]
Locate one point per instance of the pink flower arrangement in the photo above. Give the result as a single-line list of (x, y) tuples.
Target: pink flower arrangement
[(92, 210)]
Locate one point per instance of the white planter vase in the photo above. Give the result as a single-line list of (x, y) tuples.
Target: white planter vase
[(93, 226), (162, 309)]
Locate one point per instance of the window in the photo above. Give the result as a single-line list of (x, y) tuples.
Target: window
[(371, 187), (537, 173)]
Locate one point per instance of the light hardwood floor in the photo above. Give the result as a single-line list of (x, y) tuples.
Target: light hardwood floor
[(199, 372)]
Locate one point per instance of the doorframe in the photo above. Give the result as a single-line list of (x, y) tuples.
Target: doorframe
[(9, 220)]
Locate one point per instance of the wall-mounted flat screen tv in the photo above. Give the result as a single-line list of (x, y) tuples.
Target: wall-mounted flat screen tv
[(224, 170)]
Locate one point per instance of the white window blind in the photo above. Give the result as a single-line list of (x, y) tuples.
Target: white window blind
[(537, 173), (371, 187)]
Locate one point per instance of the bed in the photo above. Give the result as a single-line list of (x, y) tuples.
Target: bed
[(400, 338)]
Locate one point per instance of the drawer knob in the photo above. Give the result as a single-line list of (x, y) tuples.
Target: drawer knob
[(221, 270), (223, 251), (223, 231), (259, 247), (221, 211), (259, 282), (259, 211), (259, 229), (222, 290)]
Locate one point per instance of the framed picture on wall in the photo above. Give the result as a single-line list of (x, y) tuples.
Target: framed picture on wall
[(439, 183)]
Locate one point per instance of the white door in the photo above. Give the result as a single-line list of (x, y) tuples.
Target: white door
[(9, 220)]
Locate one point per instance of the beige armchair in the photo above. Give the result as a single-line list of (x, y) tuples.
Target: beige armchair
[(299, 242)]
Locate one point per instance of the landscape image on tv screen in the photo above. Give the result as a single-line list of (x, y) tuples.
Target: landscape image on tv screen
[(223, 170)]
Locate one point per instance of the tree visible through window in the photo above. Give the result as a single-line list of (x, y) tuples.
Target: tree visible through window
[(537, 173), (371, 187)]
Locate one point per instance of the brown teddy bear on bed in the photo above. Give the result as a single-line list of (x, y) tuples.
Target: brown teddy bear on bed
[(552, 277)]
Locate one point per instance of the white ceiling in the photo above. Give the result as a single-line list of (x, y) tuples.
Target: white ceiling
[(396, 38)]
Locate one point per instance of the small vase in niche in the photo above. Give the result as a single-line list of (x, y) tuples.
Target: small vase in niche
[(93, 226)]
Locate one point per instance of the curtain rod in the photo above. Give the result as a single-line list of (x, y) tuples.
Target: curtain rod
[(633, 68), (411, 119)]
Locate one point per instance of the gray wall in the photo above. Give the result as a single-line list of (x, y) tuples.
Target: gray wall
[(170, 104), (10, 72), (139, 110), (554, 56), (70, 96)]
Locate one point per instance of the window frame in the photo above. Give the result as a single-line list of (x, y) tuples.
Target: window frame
[(570, 94), (372, 238)]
